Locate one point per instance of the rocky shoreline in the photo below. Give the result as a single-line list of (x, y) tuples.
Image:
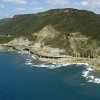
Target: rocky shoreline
[(22, 43), (71, 60)]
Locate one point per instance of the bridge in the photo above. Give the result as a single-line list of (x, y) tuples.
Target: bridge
[(17, 48), (41, 55)]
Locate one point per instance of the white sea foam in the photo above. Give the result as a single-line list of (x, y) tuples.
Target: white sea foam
[(33, 57), (86, 72), (52, 65), (49, 65), (19, 52), (89, 77), (95, 80), (28, 63)]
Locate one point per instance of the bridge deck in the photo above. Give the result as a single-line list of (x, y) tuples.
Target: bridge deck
[(35, 53), (43, 56)]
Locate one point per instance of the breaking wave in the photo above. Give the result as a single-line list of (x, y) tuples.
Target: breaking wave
[(86, 73), (50, 65), (90, 77)]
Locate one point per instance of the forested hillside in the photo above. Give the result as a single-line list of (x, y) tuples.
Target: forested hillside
[(65, 21)]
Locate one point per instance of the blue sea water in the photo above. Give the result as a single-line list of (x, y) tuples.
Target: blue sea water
[(19, 81)]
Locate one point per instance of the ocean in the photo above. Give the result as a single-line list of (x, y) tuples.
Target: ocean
[(25, 78)]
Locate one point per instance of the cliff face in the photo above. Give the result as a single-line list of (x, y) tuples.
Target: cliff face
[(20, 41), (46, 33), (75, 44)]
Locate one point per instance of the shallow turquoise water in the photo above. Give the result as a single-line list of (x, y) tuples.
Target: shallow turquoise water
[(25, 82)]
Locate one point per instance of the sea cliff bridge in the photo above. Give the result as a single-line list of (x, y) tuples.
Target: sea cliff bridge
[(36, 54)]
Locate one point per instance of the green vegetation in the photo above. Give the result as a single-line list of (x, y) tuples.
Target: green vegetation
[(5, 39), (65, 21)]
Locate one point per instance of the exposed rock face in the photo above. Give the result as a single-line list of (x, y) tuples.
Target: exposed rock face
[(47, 49), (20, 41), (46, 32)]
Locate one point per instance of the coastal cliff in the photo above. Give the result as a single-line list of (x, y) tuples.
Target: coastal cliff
[(70, 32)]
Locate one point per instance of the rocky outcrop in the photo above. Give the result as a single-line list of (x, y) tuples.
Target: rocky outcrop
[(20, 41), (45, 33)]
